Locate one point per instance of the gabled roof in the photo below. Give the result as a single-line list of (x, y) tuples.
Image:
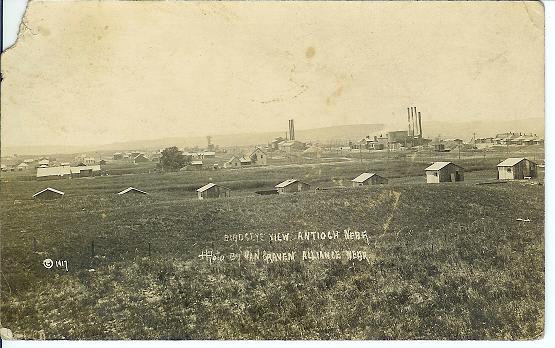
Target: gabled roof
[(245, 160), (256, 150), (196, 163), (509, 162), (209, 186), (49, 189), (23, 165), (363, 177), (140, 155), (131, 189), (233, 158), (287, 183), (44, 161), (440, 165)]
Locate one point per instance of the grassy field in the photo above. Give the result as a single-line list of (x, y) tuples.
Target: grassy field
[(440, 261)]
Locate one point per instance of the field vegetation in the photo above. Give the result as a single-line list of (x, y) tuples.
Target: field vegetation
[(447, 261)]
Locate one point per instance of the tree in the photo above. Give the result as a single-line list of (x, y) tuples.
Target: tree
[(173, 159)]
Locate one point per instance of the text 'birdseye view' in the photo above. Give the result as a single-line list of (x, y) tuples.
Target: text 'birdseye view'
[(184, 170)]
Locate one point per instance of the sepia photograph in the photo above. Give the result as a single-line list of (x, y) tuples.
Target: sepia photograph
[(273, 170)]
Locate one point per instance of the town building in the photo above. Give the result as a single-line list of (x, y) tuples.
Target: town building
[(140, 158), (259, 157), (22, 166), (52, 173), (234, 162)]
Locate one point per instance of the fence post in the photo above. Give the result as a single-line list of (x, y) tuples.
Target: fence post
[(149, 249), (92, 248)]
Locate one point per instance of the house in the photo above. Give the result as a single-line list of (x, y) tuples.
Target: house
[(444, 172), (140, 158), (234, 162), (85, 171), (292, 185), (117, 156), (49, 193), (209, 154), (29, 161), (365, 179), (102, 162), (22, 166), (44, 161), (196, 165), (259, 157), (89, 161), (50, 173), (516, 169), (132, 190), (213, 191), (245, 161)]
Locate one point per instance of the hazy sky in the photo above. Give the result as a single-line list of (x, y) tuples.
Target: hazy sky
[(93, 72)]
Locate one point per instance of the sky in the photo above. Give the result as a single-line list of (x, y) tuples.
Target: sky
[(86, 73)]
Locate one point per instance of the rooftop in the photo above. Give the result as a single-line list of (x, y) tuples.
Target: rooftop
[(363, 177), (509, 162), (439, 165), (48, 189)]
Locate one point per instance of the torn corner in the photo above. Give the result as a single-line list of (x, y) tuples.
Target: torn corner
[(13, 14)]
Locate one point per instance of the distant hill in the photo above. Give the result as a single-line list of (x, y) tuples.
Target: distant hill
[(465, 130), (328, 134), (335, 134)]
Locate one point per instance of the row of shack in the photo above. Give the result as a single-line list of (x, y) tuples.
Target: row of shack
[(438, 172)]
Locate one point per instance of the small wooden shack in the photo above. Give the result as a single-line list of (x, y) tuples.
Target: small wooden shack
[(516, 169), (212, 190), (366, 179), (48, 193), (132, 190), (292, 185), (444, 172)]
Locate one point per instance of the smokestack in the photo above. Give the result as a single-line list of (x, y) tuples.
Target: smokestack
[(291, 129), (419, 125), (413, 121), (408, 118)]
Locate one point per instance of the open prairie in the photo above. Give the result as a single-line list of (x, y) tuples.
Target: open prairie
[(406, 260)]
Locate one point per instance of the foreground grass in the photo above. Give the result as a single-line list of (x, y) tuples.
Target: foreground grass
[(444, 262)]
